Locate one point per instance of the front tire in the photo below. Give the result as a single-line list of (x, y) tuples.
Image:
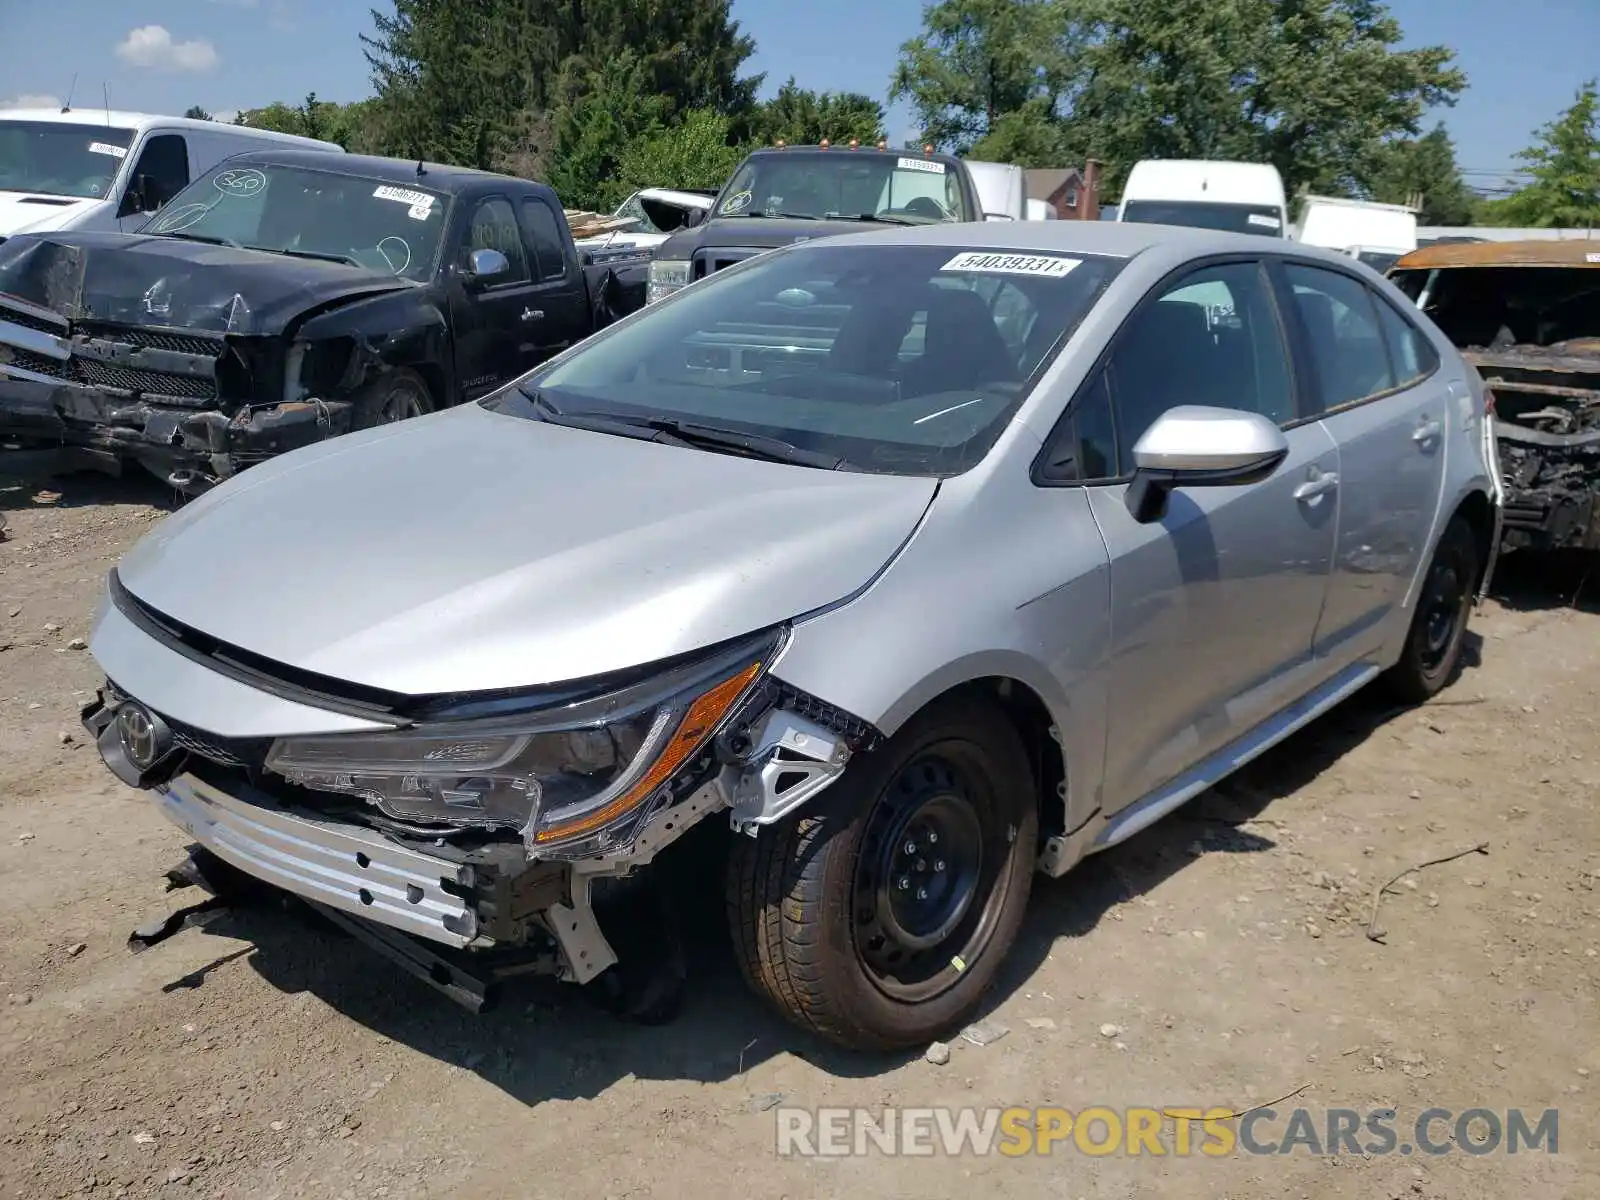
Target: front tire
[(879, 915), (1432, 653), (396, 396)]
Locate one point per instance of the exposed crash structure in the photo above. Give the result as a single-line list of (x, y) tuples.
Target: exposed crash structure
[(283, 298), (1527, 316)]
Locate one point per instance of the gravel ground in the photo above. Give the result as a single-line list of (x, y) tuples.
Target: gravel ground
[(1217, 959)]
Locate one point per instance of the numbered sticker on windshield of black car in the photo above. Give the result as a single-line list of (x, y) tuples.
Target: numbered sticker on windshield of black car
[(982, 262), (421, 203)]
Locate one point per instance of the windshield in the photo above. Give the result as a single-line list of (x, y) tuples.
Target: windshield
[(905, 360), (834, 184), (1204, 214), (52, 159), (312, 212)]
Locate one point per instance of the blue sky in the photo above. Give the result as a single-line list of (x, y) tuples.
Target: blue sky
[(1524, 60)]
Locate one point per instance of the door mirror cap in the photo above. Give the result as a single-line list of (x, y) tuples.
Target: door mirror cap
[(1198, 446), (484, 265)]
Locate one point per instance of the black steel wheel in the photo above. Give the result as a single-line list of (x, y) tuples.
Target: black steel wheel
[(880, 913), (1432, 653)]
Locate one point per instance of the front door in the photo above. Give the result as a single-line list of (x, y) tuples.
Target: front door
[(1375, 381), (1214, 606), (493, 317)]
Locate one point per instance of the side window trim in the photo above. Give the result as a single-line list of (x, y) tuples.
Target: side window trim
[(1300, 341), (1066, 423), (1382, 303), (528, 277)]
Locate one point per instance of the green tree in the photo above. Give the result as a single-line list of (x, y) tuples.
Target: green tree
[(597, 117), (692, 152), (1312, 86), (1565, 168), (802, 117), (195, 113), (350, 125), (1405, 168), (977, 61)]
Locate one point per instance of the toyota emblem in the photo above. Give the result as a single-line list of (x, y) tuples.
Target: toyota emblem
[(143, 738)]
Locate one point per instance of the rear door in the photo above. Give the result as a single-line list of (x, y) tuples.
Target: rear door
[(1375, 382), (558, 310)]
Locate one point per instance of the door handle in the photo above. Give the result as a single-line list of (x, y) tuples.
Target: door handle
[(1312, 488), (1427, 431), (533, 314)]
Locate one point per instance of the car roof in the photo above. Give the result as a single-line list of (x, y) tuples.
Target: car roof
[(1116, 239), (1571, 252), (401, 171), (120, 119), (844, 150)]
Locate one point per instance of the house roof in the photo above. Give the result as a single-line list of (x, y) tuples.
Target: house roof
[(1044, 182)]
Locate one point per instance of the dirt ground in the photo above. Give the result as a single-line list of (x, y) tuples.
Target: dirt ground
[(261, 1056)]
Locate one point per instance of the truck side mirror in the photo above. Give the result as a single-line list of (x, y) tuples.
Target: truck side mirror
[(485, 265)]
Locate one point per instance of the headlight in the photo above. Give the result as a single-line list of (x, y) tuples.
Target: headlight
[(572, 779), (666, 277)]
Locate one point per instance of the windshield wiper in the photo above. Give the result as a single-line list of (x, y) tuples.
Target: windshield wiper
[(755, 445), (881, 219), (776, 216), (675, 431), (339, 258), (181, 235)]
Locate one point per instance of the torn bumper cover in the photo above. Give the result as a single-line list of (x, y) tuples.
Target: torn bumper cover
[(1547, 424), (76, 396)]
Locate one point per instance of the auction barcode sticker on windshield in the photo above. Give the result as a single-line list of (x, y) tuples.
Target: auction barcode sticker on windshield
[(921, 164), (404, 196), (1045, 266), (1265, 220), (108, 148)]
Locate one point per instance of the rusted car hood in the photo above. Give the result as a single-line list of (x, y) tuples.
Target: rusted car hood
[(141, 279)]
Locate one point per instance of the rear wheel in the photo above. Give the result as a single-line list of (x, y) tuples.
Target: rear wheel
[(1432, 653), (879, 915), (396, 396)]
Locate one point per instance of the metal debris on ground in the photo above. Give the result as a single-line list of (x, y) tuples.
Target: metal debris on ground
[(1374, 934), (981, 1033)]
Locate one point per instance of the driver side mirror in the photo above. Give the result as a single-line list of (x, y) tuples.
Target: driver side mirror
[(1198, 446), (143, 196), (485, 266), (696, 216)]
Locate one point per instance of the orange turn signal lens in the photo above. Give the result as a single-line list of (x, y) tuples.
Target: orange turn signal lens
[(699, 721)]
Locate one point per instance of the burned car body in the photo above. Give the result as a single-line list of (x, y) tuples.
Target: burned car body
[(1527, 316), (283, 298)]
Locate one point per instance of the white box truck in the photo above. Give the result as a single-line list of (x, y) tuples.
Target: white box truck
[(1239, 196)]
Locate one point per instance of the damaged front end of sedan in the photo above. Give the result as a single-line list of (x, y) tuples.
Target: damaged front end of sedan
[(190, 360), (1526, 315), (480, 836)]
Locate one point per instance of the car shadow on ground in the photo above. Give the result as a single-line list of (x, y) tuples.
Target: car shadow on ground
[(545, 1041), (85, 489)]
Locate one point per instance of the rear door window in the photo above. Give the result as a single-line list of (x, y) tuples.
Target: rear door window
[(1349, 358), (1411, 352)]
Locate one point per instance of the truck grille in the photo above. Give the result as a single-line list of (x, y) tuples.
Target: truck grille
[(109, 357)]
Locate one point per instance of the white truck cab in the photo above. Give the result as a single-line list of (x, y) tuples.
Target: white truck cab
[(1241, 197), (89, 168)]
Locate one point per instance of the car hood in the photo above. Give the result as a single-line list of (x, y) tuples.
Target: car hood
[(471, 550), (22, 212), (134, 278)]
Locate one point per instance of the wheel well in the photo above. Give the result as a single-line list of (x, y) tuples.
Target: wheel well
[(434, 378), (1032, 720), (1479, 516)]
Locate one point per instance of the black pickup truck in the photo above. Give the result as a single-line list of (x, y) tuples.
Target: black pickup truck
[(284, 297), (784, 194)]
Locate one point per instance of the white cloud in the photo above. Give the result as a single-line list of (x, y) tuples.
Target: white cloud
[(32, 100), (152, 46)]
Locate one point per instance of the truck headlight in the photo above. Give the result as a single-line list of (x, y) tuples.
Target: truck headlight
[(666, 277), (572, 779)]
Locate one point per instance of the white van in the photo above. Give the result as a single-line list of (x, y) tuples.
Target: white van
[(1377, 234), (93, 169), (1002, 190), (1238, 196)]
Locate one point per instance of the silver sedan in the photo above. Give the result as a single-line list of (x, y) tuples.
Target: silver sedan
[(929, 558)]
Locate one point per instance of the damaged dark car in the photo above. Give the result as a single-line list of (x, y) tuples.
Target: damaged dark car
[(280, 299), (1527, 316)]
